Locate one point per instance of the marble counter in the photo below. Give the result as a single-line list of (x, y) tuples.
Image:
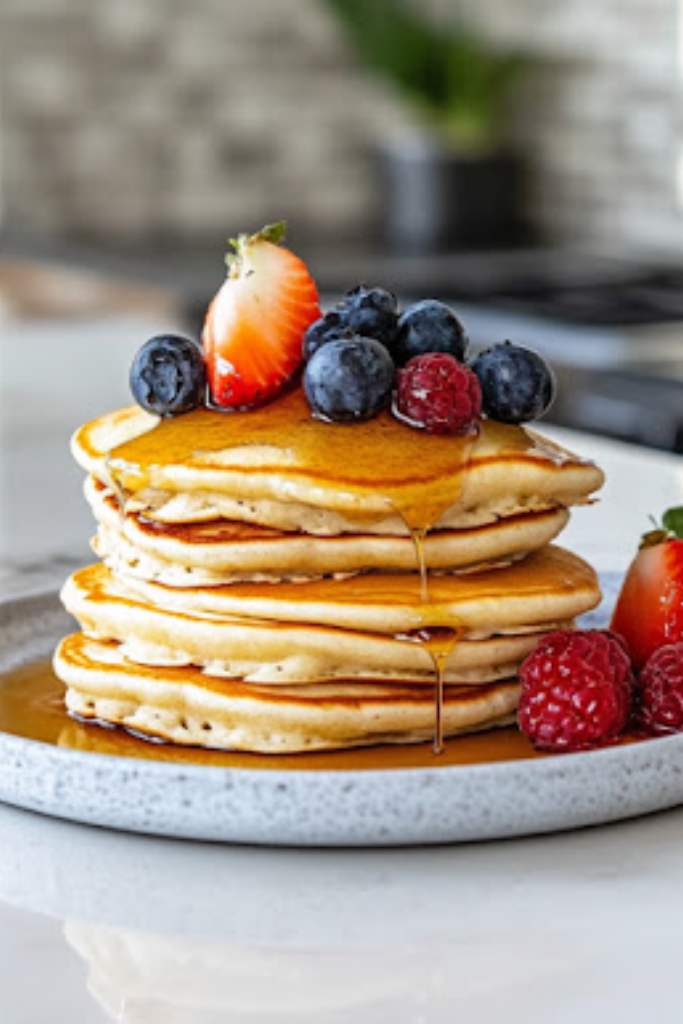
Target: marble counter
[(98, 926)]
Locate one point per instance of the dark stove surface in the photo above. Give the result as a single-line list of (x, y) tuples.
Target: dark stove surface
[(636, 298), (557, 284)]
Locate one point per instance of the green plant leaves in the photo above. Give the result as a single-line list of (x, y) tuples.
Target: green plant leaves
[(454, 80)]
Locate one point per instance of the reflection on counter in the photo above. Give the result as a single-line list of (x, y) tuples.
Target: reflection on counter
[(183, 933), (138, 977)]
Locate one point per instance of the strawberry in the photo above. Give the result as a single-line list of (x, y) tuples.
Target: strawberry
[(255, 325), (649, 610)]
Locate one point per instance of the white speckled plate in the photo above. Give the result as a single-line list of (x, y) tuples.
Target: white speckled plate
[(320, 808)]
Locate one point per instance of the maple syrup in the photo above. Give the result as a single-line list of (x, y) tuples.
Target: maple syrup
[(419, 478), (371, 469), (32, 706), (280, 450), (439, 642)]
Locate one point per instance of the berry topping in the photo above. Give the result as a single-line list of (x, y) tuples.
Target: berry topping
[(429, 326), (255, 325), (517, 385), (439, 394), (660, 695), (576, 691), (168, 375), (327, 328), (649, 610), (349, 379), (371, 313)]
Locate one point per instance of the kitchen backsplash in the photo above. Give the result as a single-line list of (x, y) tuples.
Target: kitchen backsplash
[(602, 116), (151, 119)]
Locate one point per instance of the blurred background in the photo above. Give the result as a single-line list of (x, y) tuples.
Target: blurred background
[(521, 159), (155, 122)]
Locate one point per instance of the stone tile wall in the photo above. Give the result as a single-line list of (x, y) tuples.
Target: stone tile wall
[(127, 119), (602, 115), (139, 120)]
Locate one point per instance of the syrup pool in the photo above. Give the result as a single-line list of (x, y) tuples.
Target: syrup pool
[(32, 706)]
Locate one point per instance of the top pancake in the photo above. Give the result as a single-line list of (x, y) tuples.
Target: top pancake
[(281, 467)]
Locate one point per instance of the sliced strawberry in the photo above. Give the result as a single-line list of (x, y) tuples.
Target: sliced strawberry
[(254, 327), (649, 611)]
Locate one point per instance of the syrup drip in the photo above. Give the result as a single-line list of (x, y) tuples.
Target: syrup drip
[(439, 642), (438, 638), (419, 535)]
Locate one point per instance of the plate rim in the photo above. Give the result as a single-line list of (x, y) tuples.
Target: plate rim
[(450, 792)]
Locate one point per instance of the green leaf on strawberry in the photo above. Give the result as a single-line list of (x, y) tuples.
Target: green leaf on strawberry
[(273, 233), (672, 520)]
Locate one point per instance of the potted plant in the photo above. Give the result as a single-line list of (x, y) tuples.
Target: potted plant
[(453, 182)]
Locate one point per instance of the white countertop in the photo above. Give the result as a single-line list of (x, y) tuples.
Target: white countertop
[(98, 926)]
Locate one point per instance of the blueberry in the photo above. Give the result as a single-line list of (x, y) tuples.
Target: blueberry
[(517, 384), (327, 328), (349, 379), (168, 375), (371, 313), (429, 326)]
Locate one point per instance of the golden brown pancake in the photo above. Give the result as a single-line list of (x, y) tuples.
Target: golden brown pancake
[(225, 551), (552, 584), (183, 705), (280, 467), (261, 590), (309, 632)]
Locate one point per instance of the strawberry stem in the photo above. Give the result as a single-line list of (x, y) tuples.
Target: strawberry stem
[(273, 233), (671, 528), (652, 538)]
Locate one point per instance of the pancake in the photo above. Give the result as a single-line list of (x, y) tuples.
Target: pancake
[(310, 632), (551, 584), (224, 551), (262, 591), (184, 706), (280, 467)]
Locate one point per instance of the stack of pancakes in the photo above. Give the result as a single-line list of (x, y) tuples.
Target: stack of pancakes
[(260, 587)]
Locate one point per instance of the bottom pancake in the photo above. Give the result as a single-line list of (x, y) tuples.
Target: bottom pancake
[(185, 706)]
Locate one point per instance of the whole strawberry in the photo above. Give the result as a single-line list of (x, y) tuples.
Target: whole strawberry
[(660, 694), (649, 610), (576, 691)]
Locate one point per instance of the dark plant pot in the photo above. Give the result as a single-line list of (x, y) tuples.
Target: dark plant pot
[(435, 200)]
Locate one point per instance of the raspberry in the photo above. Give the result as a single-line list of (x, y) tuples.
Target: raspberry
[(438, 393), (660, 694), (576, 690)]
